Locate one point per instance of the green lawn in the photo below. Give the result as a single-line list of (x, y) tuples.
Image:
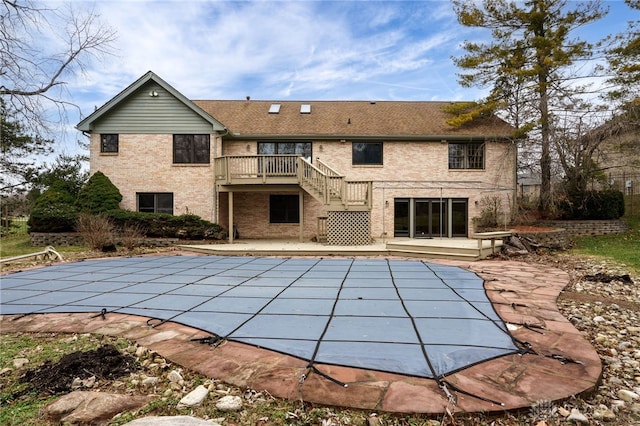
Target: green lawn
[(17, 244), (624, 248)]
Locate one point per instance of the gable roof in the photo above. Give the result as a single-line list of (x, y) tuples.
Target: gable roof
[(86, 124), (387, 120)]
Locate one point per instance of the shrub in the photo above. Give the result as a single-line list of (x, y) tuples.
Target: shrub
[(96, 230), (491, 213), (131, 236), (163, 225), (54, 211), (98, 195), (593, 205)]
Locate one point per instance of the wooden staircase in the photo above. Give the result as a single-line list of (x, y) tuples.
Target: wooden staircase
[(331, 189)]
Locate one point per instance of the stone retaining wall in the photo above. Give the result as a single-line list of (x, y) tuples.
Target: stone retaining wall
[(555, 239), (64, 239), (566, 230), (56, 239), (582, 228)]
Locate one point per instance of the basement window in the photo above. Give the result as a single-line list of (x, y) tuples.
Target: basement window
[(155, 202)]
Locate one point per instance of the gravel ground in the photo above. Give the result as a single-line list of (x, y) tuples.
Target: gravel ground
[(607, 314)]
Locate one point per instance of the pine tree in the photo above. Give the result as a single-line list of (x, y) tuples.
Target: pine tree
[(17, 152), (527, 64)]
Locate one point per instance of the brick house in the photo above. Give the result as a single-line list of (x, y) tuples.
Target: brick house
[(618, 151), (347, 171)]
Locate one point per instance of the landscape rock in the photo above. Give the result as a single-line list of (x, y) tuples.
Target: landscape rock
[(83, 383), (229, 403), (577, 416), (603, 413), (193, 398), (627, 395), (149, 381), (174, 376), (95, 408), (20, 362), (171, 421)]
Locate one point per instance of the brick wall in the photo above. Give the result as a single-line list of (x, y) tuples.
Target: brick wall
[(144, 163), (251, 216), (411, 170)]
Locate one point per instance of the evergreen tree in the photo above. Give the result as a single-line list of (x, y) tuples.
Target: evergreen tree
[(99, 195), (18, 151), (527, 64), (624, 64)]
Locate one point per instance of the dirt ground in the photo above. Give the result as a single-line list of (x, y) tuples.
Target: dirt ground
[(104, 363)]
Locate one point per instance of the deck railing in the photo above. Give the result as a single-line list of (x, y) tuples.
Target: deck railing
[(320, 180), (232, 168)]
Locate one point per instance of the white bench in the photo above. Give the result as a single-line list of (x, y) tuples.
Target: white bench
[(493, 235)]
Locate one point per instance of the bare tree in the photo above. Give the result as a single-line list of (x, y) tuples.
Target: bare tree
[(40, 48)]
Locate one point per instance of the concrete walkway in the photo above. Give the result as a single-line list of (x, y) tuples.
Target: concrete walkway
[(563, 364)]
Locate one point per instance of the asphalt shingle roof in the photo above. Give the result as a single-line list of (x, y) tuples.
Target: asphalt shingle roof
[(346, 118)]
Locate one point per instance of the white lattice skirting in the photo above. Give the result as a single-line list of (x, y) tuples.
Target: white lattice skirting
[(349, 228)]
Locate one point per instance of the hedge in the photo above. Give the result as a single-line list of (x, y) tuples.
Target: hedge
[(593, 205), (164, 225)]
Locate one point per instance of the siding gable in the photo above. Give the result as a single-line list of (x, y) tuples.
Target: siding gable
[(143, 113), (150, 106)]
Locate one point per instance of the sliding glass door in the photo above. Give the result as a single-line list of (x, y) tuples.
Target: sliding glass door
[(430, 217)]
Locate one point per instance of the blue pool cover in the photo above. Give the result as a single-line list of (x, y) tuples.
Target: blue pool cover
[(407, 317)]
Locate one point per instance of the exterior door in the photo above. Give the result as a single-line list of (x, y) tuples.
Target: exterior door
[(401, 218), (430, 217)]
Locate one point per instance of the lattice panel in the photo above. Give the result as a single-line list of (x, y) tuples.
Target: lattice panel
[(349, 228)]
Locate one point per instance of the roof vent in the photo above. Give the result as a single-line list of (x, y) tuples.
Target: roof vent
[(305, 109), (274, 109)]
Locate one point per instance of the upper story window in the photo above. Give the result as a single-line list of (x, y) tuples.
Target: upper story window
[(466, 155), (191, 149), (302, 149), (366, 153), (108, 143)]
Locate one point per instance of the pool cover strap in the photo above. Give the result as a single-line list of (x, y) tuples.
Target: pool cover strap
[(310, 366)]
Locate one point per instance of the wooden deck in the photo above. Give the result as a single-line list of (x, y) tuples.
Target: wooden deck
[(435, 248)]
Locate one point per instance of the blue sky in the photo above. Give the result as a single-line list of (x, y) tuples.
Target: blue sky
[(299, 50)]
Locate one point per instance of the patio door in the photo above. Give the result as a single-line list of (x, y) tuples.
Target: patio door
[(430, 217)]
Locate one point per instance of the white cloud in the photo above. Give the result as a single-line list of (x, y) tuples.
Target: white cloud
[(285, 49)]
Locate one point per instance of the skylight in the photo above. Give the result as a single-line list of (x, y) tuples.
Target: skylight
[(305, 109), (274, 109)]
